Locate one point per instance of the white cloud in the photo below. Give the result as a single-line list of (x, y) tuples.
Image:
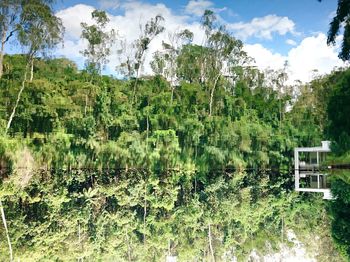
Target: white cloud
[(109, 4), (197, 7), (312, 53), (127, 25), (291, 42), (263, 27), (264, 58), (72, 17), (71, 49)]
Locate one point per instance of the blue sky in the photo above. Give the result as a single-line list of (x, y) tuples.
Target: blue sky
[(309, 16), (273, 31)]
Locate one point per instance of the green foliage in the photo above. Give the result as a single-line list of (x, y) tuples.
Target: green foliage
[(339, 211), (338, 111), (132, 64), (341, 19), (41, 29), (99, 42)]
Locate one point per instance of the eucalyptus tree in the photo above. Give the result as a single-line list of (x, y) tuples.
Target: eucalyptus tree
[(277, 80), (189, 64), (99, 41), (214, 62), (223, 53), (165, 61), (40, 31), (13, 17), (133, 63)]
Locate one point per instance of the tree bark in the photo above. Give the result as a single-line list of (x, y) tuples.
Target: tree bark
[(172, 80), (139, 61), (31, 70), (144, 215), (6, 230), (2, 50), (135, 83), (212, 95), (282, 231), (147, 132), (17, 101)]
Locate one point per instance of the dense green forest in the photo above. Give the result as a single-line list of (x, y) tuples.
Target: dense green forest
[(195, 161)]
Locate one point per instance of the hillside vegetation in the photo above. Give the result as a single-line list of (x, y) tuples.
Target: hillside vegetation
[(91, 169), (193, 161)]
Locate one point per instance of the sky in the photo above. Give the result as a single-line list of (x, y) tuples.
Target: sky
[(273, 31)]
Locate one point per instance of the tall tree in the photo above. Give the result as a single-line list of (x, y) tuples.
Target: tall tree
[(12, 19), (165, 61), (149, 31), (133, 64), (277, 79), (99, 41), (223, 54), (40, 32)]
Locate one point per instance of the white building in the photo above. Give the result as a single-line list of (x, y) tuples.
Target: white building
[(309, 161)]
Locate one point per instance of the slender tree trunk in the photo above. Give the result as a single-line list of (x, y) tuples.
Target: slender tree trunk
[(212, 95), (31, 70), (138, 71), (135, 84), (79, 236), (6, 230), (282, 231), (280, 116), (144, 215), (18, 98), (2, 50), (147, 132), (172, 80), (210, 243)]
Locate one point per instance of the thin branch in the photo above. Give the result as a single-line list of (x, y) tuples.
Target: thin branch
[(9, 36)]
